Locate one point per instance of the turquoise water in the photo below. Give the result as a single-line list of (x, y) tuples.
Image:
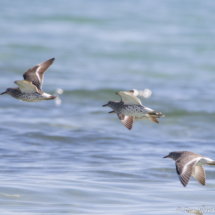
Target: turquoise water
[(78, 159)]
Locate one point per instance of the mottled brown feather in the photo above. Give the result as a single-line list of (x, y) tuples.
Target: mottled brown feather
[(184, 174), (199, 174), (40, 70), (153, 119), (127, 121)]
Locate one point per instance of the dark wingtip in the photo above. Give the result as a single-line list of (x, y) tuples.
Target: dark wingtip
[(52, 59), (184, 185)]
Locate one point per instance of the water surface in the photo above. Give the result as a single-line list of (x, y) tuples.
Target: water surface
[(78, 159)]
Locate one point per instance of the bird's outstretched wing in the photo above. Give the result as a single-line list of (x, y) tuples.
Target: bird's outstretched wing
[(129, 98), (199, 174), (35, 74), (184, 168), (127, 121), (26, 86)]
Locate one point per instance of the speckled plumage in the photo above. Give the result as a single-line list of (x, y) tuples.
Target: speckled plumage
[(27, 97), (134, 109), (137, 111)]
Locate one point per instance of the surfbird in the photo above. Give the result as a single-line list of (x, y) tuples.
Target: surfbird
[(30, 89), (190, 164), (130, 108)]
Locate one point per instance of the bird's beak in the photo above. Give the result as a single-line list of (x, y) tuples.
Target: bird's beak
[(105, 105), (3, 93), (166, 156), (111, 112)]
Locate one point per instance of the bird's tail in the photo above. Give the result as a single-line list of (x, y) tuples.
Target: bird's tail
[(212, 163), (154, 115)]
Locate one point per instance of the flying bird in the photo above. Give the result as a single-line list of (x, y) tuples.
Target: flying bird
[(130, 108), (30, 89), (190, 164)]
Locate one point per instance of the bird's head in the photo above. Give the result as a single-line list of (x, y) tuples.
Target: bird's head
[(112, 104), (7, 91), (173, 155)]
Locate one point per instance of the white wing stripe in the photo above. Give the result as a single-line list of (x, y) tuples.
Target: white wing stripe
[(38, 74), (187, 164)]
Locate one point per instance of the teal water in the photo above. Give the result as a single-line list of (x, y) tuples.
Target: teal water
[(78, 159)]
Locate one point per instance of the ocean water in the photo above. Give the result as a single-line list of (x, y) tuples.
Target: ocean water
[(75, 158)]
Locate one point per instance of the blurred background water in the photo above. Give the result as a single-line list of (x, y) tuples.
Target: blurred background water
[(78, 159)]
